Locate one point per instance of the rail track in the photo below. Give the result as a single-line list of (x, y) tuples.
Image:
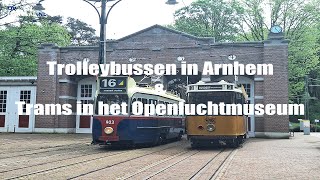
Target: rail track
[(79, 161), (103, 156)]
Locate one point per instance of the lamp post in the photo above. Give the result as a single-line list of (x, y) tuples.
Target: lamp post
[(171, 2), (103, 21), (103, 17), (39, 9)]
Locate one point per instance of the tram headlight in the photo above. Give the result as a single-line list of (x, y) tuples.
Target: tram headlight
[(108, 130), (211, 127)]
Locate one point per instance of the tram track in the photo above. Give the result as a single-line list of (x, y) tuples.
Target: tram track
[(171, 165), (52, 149), (215, 163), (206, 165), (121, 162), (153, 165), (92, 160), (205, 168), (58, 167), (216, 174), (49, 147), (54, 161)]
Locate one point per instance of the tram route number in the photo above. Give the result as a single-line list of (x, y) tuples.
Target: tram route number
[(113, 85), (109, 121)]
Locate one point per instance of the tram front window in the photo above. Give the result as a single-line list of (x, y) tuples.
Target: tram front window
[(215, 97), (111, 99)]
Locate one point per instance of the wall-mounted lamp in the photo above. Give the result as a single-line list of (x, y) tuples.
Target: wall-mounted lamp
[(180, 58), (232, 57), (132, 60)]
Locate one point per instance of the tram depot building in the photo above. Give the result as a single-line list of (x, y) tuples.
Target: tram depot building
[(154, 45)]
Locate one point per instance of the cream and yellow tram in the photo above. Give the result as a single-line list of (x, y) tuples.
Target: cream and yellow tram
[(216, 129)]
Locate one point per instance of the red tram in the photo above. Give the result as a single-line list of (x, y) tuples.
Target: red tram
[(133, 129)]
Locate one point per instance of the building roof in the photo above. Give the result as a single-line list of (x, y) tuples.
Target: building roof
[(18, 80)]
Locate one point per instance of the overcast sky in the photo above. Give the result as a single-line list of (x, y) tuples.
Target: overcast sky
[(125, 18)]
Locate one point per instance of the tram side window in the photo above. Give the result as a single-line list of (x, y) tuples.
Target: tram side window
[(144, 101), (239, 99), (132, 101)]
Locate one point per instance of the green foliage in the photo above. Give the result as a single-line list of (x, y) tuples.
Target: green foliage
[(19, 46), (303, 59), (250, 20), (81, 32), (209, 18)]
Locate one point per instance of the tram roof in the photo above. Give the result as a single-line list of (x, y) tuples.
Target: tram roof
[(223, 88), (133, 88)]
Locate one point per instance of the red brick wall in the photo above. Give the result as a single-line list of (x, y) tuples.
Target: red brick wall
[(158, 45)]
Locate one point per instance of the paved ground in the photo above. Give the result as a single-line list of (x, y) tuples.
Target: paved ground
[(56, 156), (295, 158)]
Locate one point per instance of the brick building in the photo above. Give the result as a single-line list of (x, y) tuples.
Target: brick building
[(159, 44)]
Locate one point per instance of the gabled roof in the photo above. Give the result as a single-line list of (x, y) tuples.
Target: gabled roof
[(166, 29)]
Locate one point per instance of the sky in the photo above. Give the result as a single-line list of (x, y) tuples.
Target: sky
[(126, 17)]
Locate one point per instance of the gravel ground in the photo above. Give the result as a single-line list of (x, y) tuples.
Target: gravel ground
[(65, 156)]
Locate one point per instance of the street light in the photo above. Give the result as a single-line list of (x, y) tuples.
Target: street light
[(171, 2), (38, 8), (103, 16)]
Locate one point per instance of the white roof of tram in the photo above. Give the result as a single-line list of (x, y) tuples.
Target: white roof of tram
[(133, 88), (225, 86)]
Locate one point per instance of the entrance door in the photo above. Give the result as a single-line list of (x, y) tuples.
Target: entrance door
[(10, 119), (25, 123), (249, 87), (3, 110), (86, 92)]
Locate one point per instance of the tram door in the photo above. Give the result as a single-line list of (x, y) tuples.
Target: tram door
[(10, 119)]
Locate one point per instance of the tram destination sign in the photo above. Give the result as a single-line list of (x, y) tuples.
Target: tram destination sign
[(113, 85), (209, 87)]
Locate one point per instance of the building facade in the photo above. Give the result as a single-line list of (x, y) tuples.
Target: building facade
[(159, 44)]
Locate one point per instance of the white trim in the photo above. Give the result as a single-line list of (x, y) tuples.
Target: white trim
[(12, 116), (19, 78), (68, 97), (259, 79), (87, 81), (273, 135), (66, 81), (258, 97), (54, 130)]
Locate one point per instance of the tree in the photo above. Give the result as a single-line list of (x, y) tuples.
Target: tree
[(19, 46), (81, 32), (209, 18), (293, 15), (16, 7)]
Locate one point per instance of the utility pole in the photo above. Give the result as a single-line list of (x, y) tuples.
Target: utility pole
[(102, 48)]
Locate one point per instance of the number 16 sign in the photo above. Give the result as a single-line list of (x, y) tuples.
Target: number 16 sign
[(113, 85)]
